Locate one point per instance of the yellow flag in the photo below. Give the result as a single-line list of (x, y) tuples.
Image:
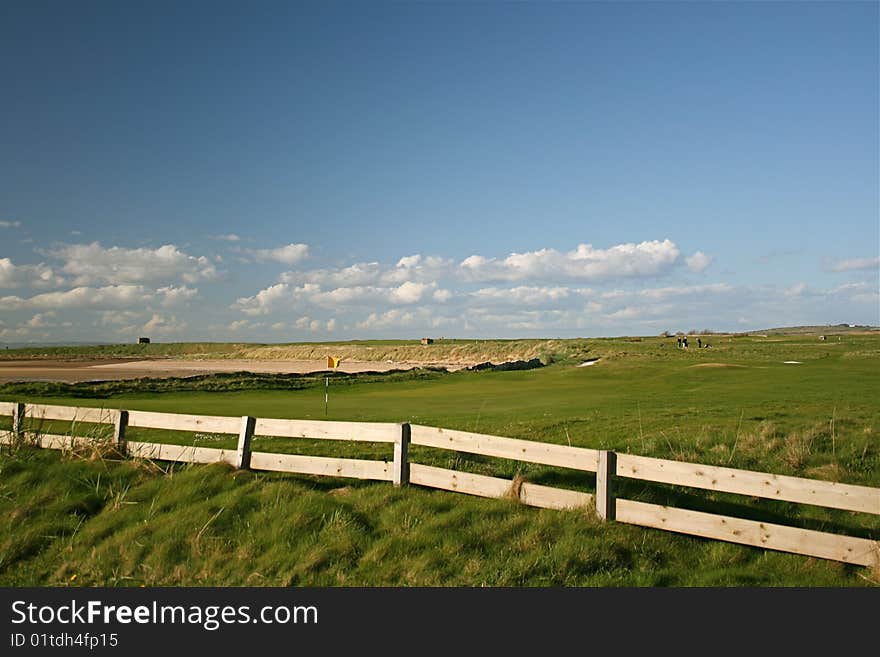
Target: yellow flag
[(333, 362)]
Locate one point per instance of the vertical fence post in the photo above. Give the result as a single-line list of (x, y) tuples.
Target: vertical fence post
[(120, 423), (605, 498), (243, 462), (17, 421), (400, 475)]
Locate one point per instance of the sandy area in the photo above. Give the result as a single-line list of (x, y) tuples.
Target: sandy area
[(104, 370)]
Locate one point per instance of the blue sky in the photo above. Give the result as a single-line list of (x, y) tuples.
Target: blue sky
[(291, 171)]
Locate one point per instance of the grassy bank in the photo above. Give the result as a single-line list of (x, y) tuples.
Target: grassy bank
[(451, 351)]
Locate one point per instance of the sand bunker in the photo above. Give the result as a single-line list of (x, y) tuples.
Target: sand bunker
[(104, 370), (587, 363)]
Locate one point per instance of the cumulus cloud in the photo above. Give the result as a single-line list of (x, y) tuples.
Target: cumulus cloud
[(414, 268), (163, 325), (15, 276), (9, 224), (93, 263), (264, 301), (694, 291), (417, 268), (392, 318), (698, 262), (856, 264), (584, 263), (405, 294), (307, 323), (41, 320), (442, 296), (362, 273), (125, 318), (288, 255), (409, 292), (111, 296), (176, 296), (524, 295)]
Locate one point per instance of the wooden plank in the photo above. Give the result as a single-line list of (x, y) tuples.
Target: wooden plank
[(746, 482), (70, 413), (548, 497), (182, 453), (53, 441), (859, 551), (7, 408), (181, 422), (578, 458), (605, 496), (459, 482), (321, 465), (245, 434), (373, 432), (400, 474)]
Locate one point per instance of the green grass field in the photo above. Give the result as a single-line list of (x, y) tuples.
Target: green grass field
[(91, 521)]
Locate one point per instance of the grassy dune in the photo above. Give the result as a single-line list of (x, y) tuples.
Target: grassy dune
[(736, 404), (450, 351)]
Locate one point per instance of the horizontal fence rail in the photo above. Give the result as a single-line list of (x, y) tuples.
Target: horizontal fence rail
[(746, 482), (608, 466)]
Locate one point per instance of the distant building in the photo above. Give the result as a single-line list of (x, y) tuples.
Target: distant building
[(143, 340), (427, 340)]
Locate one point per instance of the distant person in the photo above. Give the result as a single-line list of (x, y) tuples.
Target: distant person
[(679, 342), (699, 343), (684, 342)]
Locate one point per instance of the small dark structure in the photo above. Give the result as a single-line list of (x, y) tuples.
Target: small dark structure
[(143, 340), (427, 340)]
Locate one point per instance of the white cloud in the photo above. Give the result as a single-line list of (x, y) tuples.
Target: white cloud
[(362, 273), (584, 263), (112, 296), (10, 224), (13, 276), (175, 296), (264, 301), (288, 255), (93, 263), (40, 320), (694, 291), (231, 237), (125, 318), (698, 262), (524, 295), (442, 296), (417, 268), (364, 295), (409, 293), (307, 323), (393, 318), (856, 264), (163, 325), (414, 268)]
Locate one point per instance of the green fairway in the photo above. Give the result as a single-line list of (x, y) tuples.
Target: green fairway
[(737, 404)]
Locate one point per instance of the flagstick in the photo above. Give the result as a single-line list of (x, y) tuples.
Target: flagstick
[(326, 393)]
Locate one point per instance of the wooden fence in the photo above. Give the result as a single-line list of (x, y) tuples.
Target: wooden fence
[(608, 466)]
